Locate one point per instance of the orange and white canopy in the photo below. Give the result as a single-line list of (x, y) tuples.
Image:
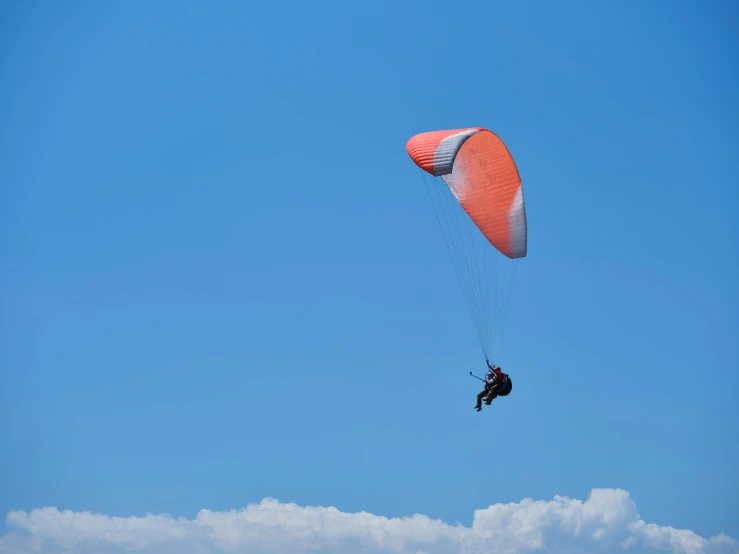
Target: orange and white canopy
[(480, 171)]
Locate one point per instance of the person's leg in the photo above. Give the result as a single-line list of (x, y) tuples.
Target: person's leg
[(490, 397), (480, 394)]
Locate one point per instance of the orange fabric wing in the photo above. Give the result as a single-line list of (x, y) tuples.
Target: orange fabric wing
[(480, 171)]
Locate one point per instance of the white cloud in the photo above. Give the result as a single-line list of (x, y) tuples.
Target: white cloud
[(606, 522)]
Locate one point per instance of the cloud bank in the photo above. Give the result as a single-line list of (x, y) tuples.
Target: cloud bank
[(608, 521)]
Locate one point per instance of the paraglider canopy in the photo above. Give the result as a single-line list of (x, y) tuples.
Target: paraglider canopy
[(480, 171)]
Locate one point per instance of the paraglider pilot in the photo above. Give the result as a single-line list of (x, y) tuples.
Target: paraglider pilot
[(497, 384)]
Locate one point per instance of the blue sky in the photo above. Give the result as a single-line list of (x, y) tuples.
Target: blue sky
[(222, 279)]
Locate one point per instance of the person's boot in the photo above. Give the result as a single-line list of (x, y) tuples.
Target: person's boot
[(478, 407)]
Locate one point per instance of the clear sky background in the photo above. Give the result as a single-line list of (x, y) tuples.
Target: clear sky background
[(221, 279)]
